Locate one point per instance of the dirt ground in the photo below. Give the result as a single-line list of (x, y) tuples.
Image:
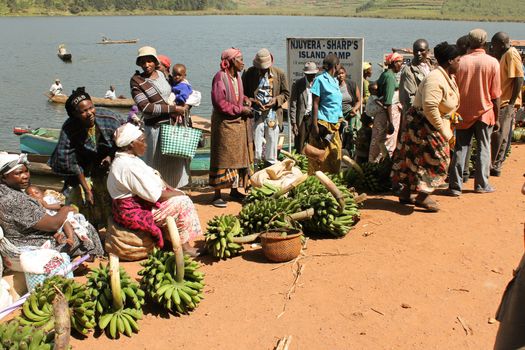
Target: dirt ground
[(402, 279)]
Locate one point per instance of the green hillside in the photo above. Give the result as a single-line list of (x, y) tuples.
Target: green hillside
[(482, 10)]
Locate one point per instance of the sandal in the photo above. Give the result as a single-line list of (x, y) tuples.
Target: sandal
[(428, 204), (407, 201), (219, 203), (237, 195)]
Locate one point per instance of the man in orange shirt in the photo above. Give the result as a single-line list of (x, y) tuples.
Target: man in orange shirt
[(511, 72), (478, 79)]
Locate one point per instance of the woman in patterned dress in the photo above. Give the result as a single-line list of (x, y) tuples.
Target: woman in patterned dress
[(141, 199), (25, 223), (425, 151)]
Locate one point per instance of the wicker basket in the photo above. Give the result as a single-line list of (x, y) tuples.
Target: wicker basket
[(280, 249)]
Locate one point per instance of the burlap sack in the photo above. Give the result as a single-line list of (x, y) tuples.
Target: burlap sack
[(128, 245)]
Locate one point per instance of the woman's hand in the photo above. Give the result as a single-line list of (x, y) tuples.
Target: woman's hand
[(105, 162), (246, 111), (170, 192), (314, 130), (89, 196)]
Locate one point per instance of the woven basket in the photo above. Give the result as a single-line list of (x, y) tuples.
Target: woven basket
[(280, 249)]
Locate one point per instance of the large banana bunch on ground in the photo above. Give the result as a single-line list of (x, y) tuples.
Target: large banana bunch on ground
[(220, 234), (377, 176), (267, 214), (122, 319), (330, 217), (37, 310), (13, 335), (259, 193), (174, 284)]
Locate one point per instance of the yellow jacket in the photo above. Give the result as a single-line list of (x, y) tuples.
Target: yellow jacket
[(438, 97)]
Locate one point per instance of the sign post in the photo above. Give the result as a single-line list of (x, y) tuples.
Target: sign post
[(301, 50)]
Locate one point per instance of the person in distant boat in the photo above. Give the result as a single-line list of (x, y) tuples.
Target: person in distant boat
[(56, 88), (83, 153), (111, 94), (151, 92)]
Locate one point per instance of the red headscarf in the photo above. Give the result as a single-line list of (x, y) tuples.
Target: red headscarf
[(393, 57), (165, 61), (228, 55)]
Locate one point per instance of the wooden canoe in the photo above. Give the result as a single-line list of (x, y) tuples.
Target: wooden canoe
[(98, 101), (109, 41)]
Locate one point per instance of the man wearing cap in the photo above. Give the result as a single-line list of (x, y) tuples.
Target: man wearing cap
[(411, 76), (111, 94), (478, 78), (511, 75), (56, 88), (367, 74), (266, 87), (301, 104)]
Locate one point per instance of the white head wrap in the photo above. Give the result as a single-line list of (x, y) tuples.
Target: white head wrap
[(126, 134), (10, 162)]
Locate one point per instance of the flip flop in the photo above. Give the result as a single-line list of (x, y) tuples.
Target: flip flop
[(219, 203), (237, 195)]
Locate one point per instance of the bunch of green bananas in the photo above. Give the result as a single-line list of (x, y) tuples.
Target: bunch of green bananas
[(124, 320), (13, 335), (260, 193), (377, 176), (37, 310), (178, 291), (267, 214), (219, 236), (329, 218)]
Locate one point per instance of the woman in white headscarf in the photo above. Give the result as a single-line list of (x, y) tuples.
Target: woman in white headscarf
[(25, 222), (141, 198)]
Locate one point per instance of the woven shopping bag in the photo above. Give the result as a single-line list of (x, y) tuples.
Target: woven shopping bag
[(179, 140)]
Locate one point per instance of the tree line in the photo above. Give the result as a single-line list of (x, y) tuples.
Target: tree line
[(79, 6)]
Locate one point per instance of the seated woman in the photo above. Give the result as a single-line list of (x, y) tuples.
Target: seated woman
[(83, 153), (25, 222), (141, 199)]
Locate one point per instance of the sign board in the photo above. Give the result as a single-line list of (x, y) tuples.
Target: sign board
[(301, 50)]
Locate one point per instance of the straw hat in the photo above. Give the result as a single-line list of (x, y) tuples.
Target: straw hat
[(147, 51), (263, 59), (310, 68), (367, 65)]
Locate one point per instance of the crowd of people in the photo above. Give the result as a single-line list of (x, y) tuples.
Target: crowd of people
[(422, 116)]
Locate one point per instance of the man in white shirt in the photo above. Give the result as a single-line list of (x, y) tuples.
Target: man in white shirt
[(56, 88), (110, 94)]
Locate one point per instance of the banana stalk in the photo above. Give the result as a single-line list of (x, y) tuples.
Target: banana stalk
[(353, 164), (291, 186), (62, 322), (302, 215), (330, 186), (177, 248), (246, 239), (114, 273)]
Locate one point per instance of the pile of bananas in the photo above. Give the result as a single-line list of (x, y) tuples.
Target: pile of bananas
[(123, 320), (179, 290), (267, 214), (329, 218), (219, 236), (13, 335), (371, 178), (37, 310), (260, 193)]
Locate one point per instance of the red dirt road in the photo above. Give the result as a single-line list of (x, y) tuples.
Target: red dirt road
[(401, 279)]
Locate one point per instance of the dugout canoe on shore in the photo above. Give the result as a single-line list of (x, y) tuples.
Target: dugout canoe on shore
[(98, 101), (106, 41)]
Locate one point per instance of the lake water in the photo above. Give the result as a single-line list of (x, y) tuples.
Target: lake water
[(28, 52)]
